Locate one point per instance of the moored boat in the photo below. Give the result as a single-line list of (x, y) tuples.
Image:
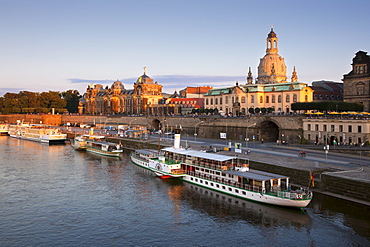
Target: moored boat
[(4, 129), (226, 174), (39, 133), (97, 144)]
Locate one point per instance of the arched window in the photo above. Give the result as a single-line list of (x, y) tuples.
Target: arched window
[(279, 99), (288, 98), (216, 101), (211, 101), (206, 101), (220, 100), (306, 98)]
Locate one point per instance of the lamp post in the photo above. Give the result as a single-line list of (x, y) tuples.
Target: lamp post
[(129, 125), (246, 136), (195, 132)]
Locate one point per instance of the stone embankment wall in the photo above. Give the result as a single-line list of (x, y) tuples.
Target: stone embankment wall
[(354, 188)]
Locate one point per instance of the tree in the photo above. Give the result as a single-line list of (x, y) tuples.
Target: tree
[(72, 98), (251, 110)]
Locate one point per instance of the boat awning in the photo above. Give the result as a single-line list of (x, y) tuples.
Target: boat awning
[(147, 151), (199, 154), (256, 175)]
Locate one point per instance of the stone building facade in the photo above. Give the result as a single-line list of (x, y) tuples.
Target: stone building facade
[(336, 131), (357, 81), (116, 99)]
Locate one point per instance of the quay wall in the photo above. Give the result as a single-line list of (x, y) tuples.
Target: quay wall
[(349, 187), (267, 127)]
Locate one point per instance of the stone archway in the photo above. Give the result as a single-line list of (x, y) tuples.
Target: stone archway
[(155, 124), (269, 131)]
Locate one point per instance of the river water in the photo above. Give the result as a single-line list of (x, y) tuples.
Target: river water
[(56, 196)]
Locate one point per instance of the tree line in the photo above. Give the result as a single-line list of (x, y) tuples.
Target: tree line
[(34, 102)]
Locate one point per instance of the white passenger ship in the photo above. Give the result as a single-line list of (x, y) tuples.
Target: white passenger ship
[(222, 173), (37, 132), (96, 144), (4, 129)]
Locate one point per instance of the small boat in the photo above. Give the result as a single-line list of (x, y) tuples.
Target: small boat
[(4, 129), (226, 174), (96, 144), (38, 133)]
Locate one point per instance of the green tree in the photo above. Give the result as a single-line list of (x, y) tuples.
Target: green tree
[(72, 98)]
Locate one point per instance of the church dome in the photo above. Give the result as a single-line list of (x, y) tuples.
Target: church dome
[(117, 85)]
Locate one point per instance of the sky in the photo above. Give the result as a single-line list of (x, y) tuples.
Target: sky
[(58, 45)]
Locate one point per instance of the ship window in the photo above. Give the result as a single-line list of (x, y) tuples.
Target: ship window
[(211, 184), (236, 191), (218, 173), (223, 187), (201, 181), (223, 174), (206, 182), (217, 185), (191, 179), (244, 193), (196, 180), (230, 189)]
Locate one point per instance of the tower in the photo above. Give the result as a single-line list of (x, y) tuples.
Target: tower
[(249, 77), (294, 75), (272, 68)]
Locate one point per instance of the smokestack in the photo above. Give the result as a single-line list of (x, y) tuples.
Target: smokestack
[(177, 138)]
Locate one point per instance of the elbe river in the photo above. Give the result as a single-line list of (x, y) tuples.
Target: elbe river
[(56, 196)]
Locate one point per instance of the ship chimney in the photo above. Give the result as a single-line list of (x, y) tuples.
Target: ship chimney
[(177, 138)]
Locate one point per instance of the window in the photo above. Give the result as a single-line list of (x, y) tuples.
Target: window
[(349, 128), (332, 128), (216, 101), (267, 99), (211, 101), (273, 99), (252, 98), (325, 127), (288, 98), (294, 98), (308, 126), (340, 128), (359, 129), (279, 99), (227, 100), (232, 100), (261, 99), (306, 98), (360, 90), (220, 100), (243, 99), (316, 127)]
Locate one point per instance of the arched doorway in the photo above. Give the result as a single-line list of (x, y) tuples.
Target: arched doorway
[(269, 131), (155, 124)]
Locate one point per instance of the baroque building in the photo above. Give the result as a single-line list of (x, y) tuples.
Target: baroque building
[(116, 99), (357, 82), (270, 90)]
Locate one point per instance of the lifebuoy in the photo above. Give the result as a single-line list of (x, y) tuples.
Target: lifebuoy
[(299, 196)]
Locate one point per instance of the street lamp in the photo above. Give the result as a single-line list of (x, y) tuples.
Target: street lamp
[(246, 135), (129, 125), (195, 132)]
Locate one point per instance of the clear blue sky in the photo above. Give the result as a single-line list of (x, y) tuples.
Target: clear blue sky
[(67, 44)]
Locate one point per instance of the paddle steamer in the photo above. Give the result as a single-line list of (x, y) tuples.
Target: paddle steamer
[(226, 174)]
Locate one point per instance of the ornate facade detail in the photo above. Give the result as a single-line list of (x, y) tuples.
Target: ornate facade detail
[(357, 82)]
